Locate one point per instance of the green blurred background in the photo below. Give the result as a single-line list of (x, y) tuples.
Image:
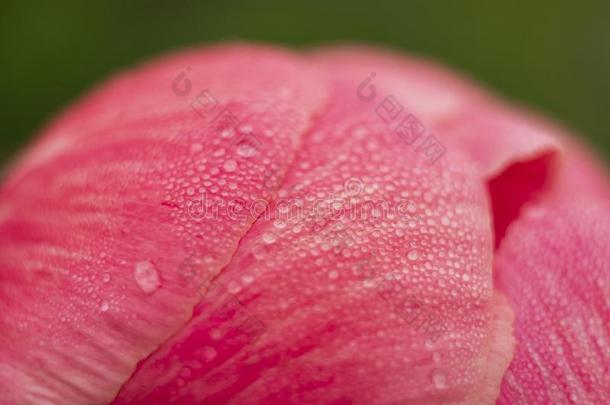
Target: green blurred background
[(553, 55)]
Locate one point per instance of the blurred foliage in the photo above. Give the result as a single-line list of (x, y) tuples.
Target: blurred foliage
[(549, 54)]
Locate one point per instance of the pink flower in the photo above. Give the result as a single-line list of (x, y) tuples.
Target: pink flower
[(245, 224)]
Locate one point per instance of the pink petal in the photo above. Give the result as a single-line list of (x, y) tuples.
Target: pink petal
[(96, 227), (560, 259), (553, 266), (111, 281), (349, 306)]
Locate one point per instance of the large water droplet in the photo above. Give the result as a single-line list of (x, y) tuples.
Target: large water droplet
[(279, 224), (147, 277), (258, 252), (359, 132), (413, 255), (269, 238), (227, 133), (234, 287), (246, 129), (439, 380), (196, 147), (369, 283), (230, 166), (246, 149), (104, 306), (209, 353)]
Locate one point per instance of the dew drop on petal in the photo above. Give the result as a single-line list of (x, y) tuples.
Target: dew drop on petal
[(369, 283), (147, 277), (234, 287), (246, 129), (196, 147), (258, 252), (269, 238), (246, 150), (216, 334), (209, 353), (412, 255), (227, 133), (439, 380), (230, 166)]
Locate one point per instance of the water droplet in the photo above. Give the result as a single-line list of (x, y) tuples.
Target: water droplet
[(429, 344), (216, 334), (333, 275), (230, 166), (227, 133), (106, 277), (412, 255), (439, 380), (196, 147), (369, 283), (246, 129), (209, 353), (465, 277), (246, 149), (269, 238), (535, 213), (359, 132), (258, 252), (147, 277), (104, 306), (234, 287)]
